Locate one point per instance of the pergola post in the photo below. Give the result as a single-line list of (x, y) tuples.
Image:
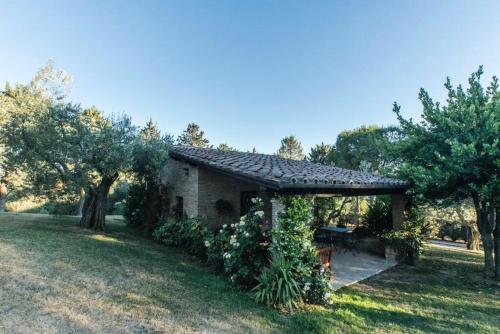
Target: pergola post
[(276, 208), (398, 210)]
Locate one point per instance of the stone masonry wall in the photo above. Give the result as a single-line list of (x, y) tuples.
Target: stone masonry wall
[(213, 186), (181, 179)]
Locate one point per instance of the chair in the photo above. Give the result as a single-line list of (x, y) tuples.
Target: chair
[(324, 255)]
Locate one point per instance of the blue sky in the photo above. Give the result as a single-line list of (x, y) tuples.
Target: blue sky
[(252, 72)]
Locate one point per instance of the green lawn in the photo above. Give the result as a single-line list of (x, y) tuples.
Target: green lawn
[(55, 277)]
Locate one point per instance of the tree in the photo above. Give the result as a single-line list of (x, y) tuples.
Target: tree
[(193, 136), (225, 148), (107, 150), (454, 154), (290, 149), (20, 107), (63, 148), (320, 154), (366, 148), (146, 202)]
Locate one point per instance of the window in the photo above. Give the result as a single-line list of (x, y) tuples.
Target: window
[(246, 201), (179, 207)]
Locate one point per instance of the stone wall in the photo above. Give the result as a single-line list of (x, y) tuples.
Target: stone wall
[(213, 186), (201, 188), (398, 210), (181, 180)]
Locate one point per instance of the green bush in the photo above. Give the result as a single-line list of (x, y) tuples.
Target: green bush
[(292, 242), (134, 206), (317, 289), (117, 199), (408, 242), (452, 231), (242, 247), (277, 286), (378, 217), (190, 234), (60, 208)]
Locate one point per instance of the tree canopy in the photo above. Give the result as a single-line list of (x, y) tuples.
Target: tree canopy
[(61, 147), (290, 149), (193, 136), (321, 154), (454, 152), (366, 148)]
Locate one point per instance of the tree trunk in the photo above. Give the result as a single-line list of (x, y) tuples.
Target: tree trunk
[(473, 238), (496, 233), (94, 213), (485, 226), (82, 202), (3, 195)]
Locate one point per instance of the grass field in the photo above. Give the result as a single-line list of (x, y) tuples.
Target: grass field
[(57, 278)]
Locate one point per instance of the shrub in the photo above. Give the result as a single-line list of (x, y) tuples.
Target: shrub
[(117, 199), (190, 234), (378, 217), (217, 246), (292, 243), (134, 206), (145, 206), (242, 247), (292, 236), (60, 208), (277, 286), (317, 289), (408, 242)]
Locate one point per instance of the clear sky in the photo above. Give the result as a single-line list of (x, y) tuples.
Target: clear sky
[(252, 72)]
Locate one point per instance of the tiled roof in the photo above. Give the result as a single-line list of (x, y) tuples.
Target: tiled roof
[(282, 174)]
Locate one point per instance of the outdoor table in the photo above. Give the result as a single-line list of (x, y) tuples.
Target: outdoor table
[(340, 235), (336, 230)]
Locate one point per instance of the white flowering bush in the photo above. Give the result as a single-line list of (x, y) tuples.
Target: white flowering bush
[(242, 248), (292, 245)]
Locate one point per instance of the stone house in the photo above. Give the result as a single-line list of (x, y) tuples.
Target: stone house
[(217, 186)]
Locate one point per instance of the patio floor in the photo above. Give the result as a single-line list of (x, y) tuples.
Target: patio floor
[(351, 267)]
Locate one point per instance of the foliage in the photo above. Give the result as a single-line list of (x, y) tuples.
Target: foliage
[(146, 203), (292, 235), (225, 148), (23, 111), (316, 288), (193, 136), (292, 241), (245, 246), (408, 241), (452, 231), (290, 149), (378, 217), (118, 198), (320, 154), (188, 233), (365, 148), (454, 153), (60, 208), (332, 209), (134, 206), (61, 147), (277, 286), (107, 149)]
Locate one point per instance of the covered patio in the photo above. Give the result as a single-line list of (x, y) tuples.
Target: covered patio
[(236, 177)]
